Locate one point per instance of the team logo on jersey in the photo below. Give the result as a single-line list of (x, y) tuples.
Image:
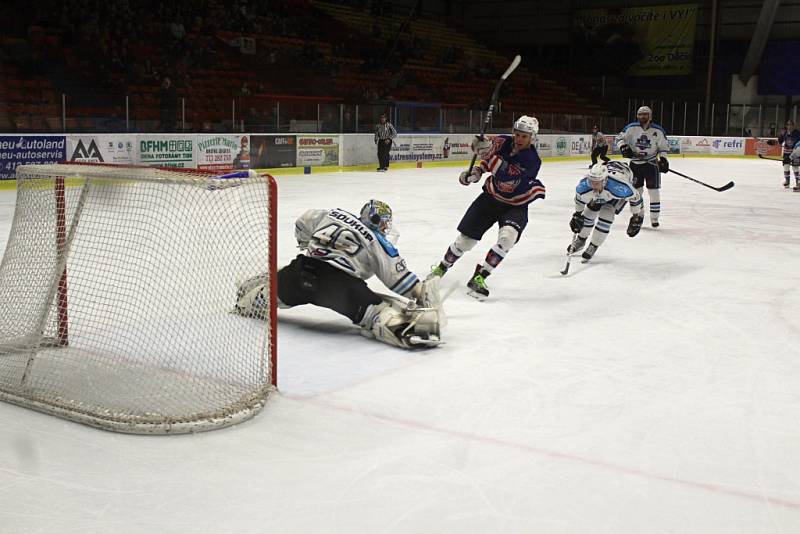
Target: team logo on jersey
[(643, 142), (507, 187)]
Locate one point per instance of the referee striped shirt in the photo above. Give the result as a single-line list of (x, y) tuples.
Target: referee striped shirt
[(385, 131)]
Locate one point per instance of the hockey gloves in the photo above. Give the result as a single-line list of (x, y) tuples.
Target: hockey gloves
[(635, 225), (471, 176), (626, 151), (663, 165), (576, 223), (480, 146)]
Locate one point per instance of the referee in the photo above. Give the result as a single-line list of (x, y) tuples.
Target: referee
[(384, 133)]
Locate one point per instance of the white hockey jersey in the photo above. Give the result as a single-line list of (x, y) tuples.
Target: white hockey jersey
[(794, 157), (647, 143), (615, 193), (340, 238)]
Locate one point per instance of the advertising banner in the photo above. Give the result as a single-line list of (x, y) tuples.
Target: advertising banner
[(695, 145), (102, 148), (753, 147), (167, 150), (421, 148), (580, 144), (653, 40), (273, 151), (727, 146), (674, 145), (223, 152), (22, 150), (317, 150), (562, 145)]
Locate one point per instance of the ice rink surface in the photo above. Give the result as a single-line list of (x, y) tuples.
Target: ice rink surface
[(654, 390)]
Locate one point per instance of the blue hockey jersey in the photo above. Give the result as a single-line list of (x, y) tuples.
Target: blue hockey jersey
[(514, 176)]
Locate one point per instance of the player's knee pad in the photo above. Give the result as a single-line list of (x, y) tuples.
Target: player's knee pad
[(251, 298), (464, 243), (785, 167), (402, 326), (507, 237)]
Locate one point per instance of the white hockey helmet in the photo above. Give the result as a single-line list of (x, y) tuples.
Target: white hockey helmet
[(619, 170), (598, 175), (526, 124), (377, 215), (644, 110)]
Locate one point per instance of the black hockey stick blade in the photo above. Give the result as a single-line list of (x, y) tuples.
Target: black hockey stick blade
[(511, 68), (762, 156), (695, 180), (565, 270)]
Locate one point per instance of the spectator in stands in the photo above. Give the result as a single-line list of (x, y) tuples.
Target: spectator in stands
[(384, 134), (168, 103)]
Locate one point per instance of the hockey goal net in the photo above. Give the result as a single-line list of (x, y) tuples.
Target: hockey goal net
[(116, 291)]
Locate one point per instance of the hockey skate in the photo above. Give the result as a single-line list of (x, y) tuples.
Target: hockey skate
[(576, 245), (796, 188), (437, 271), (477, 287), (588, 254), (654, 223), (786, 183)]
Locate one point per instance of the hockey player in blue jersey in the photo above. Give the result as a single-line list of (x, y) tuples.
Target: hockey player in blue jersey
[(645, 144), (789, 139), (511, 185), (599, 196)]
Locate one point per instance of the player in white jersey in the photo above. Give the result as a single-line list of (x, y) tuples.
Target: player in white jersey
[(341, 251), (645, 144), (599, 197)]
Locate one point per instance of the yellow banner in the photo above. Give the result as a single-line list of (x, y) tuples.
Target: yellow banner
[(653, 41)]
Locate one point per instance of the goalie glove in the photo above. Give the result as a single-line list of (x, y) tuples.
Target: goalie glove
[(471, 176), (576, 223), (663, 165), (626, 151), (635, 225), (481, 146)]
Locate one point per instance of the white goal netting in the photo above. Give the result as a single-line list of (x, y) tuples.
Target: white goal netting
[(116, 292)]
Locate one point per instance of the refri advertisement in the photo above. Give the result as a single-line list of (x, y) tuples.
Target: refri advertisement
[(727, 146), (223, 152), (167, 150), (317, 150), (119, 149), (22, 150)]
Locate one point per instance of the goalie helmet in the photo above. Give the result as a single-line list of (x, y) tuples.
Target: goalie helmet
[(620, 171), (526, 124), (377, 215), (598, 176)]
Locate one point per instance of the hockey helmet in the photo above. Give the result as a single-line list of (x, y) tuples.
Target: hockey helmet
[(644, 110), (526, 124), (619, 170), (598, 176), (377, 215)]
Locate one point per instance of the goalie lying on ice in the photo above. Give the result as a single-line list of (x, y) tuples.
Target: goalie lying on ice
[(341, 251)]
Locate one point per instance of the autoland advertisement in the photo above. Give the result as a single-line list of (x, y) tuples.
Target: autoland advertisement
[(661, 37)]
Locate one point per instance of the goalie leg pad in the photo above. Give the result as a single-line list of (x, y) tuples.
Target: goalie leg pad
[(406, 328)]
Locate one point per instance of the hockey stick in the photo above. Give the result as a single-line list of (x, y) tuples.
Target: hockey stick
[(720, 189), (511, 68), (771, 159)]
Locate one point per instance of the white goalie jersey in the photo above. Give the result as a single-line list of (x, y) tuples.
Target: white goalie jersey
[(340, 238)]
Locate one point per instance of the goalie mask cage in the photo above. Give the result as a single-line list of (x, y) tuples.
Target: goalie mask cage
[(116, 294)]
